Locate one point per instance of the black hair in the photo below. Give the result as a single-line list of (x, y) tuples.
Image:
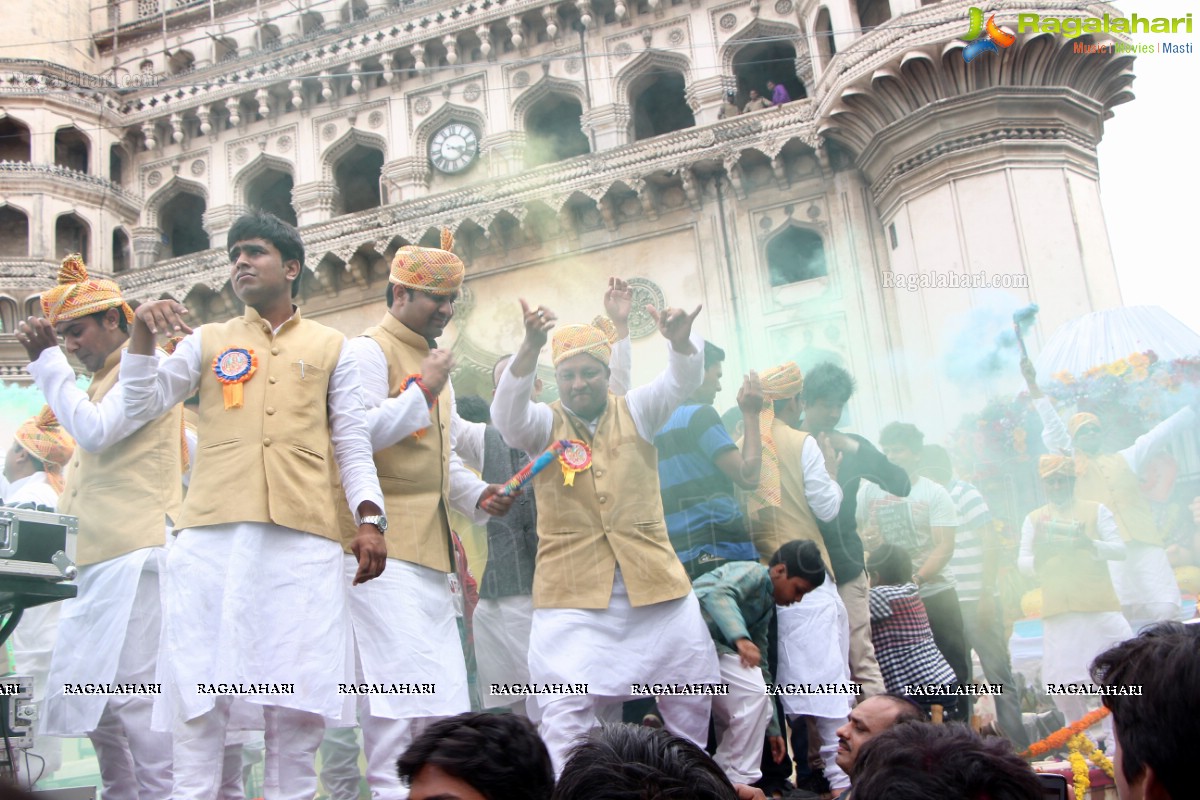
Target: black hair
[(908, 710), (891, 563), (498, 755), (633, 762), (935, 464), (903, 433), (259, 224), (713, 355), (1159, 728), (802, 559), (122, 323), (918, 762), (828, 381), (474, 408)]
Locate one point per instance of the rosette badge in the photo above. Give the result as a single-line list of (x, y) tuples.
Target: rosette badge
[(575, 457), (233, 367)]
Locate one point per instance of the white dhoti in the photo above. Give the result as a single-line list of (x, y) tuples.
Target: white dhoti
[(612, 649), (814, 647), (1145, 585), (502, 626), (255, 627), (109, 633), (1071, 641), (405, 633), (741, 719)]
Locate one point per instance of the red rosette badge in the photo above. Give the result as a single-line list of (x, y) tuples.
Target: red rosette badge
[(233, 367), (575, 457)]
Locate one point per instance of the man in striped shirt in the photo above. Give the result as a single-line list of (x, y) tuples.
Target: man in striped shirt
[(974, 565)]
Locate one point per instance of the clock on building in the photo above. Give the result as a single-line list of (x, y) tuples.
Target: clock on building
[(453, 148)]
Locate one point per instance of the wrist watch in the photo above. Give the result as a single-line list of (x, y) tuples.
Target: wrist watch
[(378, 520)]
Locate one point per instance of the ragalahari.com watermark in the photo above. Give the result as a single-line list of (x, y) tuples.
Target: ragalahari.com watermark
[(945, 279)]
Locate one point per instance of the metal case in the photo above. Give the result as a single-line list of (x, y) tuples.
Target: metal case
[(37, 544)]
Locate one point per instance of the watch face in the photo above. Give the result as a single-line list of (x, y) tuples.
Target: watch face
[(453, 148)]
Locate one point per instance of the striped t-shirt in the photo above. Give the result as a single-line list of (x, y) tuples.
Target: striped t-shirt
[(967, 562)]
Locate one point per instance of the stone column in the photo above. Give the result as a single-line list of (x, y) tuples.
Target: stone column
[(608, 125), (147, 243), (315, 201)]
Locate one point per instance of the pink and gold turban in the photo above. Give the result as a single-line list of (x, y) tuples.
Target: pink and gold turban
[(77, 295), (46, 441), (1054, 464), (1079, 420), (595, 339), (428, 269), (778, 383)]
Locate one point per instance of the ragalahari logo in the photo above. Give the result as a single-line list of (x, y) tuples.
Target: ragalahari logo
[(991, 43)]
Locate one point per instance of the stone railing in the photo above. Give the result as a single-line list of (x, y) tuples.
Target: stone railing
[(23, 176)]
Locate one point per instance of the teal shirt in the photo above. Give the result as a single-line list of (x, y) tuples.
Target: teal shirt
[(737, 600)]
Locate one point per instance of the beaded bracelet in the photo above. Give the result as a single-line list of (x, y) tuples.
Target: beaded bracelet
[(430, 397)]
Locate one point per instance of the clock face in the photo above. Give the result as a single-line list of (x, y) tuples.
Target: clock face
[(453, 148)]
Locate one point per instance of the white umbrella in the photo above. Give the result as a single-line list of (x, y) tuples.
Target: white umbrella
[(1105, 336)]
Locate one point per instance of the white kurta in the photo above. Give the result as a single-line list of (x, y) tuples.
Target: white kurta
[(255, 603), (502, 626), (1072, 640), (814, 647), (1145, 576), (94, 625)]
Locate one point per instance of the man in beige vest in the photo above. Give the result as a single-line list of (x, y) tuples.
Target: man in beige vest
[(124, 486), (405, 629), (256, 623), (613, 606), (1067, 545), (1144, 580)]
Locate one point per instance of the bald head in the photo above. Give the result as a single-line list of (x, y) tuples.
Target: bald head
[(867, 720)]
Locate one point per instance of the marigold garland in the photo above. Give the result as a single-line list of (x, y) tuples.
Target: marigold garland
[(1062, 737), (1079, 769)]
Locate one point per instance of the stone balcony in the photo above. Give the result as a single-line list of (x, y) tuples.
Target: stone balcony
[(22, 177)]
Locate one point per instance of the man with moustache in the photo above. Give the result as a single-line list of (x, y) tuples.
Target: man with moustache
[(405, 629), (870, 718), (124, 486)]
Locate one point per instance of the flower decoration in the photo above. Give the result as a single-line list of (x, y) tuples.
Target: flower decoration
[(1062, 737)]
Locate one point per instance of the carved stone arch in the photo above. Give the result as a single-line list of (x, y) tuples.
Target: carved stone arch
[(348, 141), (448, 113), (757, 30), (170, 189), (544, 88), (10, 314), (802, 253), (261, 163), (651, 60)]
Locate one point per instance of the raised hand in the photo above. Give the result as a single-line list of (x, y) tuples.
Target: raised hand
[(538, 323), (1030, 375), (675, 325), (36, 335), (162, 317), (618, 302), (750, 396), (436, 369)]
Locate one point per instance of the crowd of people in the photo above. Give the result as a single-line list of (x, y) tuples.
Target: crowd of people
[(265, 545)]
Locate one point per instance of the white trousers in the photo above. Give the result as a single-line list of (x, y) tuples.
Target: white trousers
[(1141, 615), (741, 719), (291, 738), (232, 786), (339, 763), (135, 763), (568, 719), (384, 741)]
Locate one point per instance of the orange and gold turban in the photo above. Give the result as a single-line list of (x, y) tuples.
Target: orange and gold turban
[(77, 295), (46, 441), (595, 339), (778, 383), (428, 269), (1054, 464), (1079, 420)]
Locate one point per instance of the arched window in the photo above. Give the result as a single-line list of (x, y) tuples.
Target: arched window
[(795, 254), (552, 130), (269, 37), (181, 61), (354, 10), (146, 67), (357, 176), (872, 13), (116, 165), (120, 250), (659, 104), (755, 64), (33, 306), (14, 140), (71, 236), (823, 32), (311, 22), (224, 49), (180, 220), (71, 149), (9, 314), (272, 191), (14, 233)]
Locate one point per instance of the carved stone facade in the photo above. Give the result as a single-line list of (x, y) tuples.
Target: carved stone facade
[(899, 157)]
